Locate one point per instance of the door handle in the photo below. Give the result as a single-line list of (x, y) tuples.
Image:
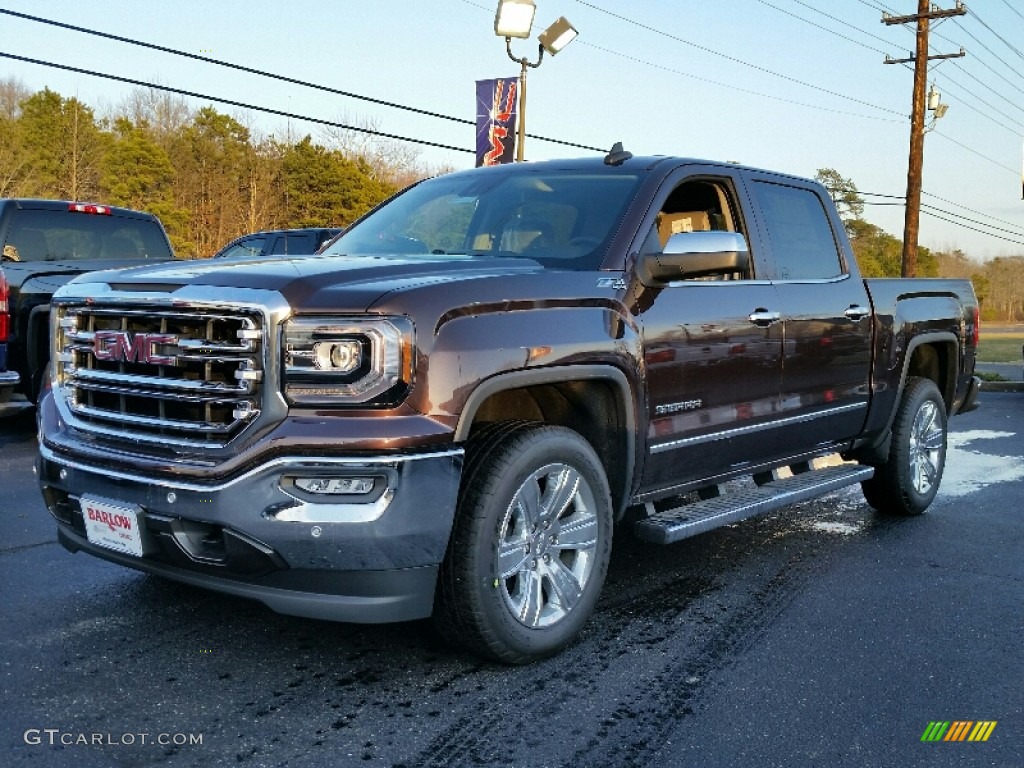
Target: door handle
[(763, 318), (856, 312)]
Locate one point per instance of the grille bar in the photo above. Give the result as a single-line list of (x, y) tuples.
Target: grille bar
[(155, 423), (131, 383)]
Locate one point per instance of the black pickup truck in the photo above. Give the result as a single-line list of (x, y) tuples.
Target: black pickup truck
[(45, 244), (448, 411)]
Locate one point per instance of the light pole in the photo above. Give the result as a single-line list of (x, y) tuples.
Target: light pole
[(514, 18)]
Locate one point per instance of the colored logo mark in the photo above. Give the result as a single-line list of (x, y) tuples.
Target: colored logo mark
[(959, 730)]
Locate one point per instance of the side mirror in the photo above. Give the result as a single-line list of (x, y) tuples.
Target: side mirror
[(695, 254)]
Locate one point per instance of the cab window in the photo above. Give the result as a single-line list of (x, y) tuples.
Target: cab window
[(704, 205), (803, 243)]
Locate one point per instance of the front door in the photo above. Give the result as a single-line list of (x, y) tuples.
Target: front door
[(712, 346)]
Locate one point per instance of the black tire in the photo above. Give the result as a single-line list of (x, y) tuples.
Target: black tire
[(907, 483), (519, 580)]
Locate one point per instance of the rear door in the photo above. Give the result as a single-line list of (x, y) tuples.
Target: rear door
[(826, 312)]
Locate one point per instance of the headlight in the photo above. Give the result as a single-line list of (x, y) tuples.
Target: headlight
[(330, 360)]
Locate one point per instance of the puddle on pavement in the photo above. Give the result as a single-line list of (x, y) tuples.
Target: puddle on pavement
[(968, 471)]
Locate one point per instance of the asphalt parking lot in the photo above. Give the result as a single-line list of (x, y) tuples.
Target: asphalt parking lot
[(820, 635)]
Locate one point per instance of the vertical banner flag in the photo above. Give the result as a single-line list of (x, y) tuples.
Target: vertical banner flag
[(496, 120)]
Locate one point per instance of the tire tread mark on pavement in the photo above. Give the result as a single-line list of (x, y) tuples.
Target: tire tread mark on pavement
[(23, 547), (635, 731)]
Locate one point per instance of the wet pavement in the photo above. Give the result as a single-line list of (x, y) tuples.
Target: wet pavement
[(823, 634)]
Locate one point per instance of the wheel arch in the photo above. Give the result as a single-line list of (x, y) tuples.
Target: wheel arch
[(933, 356), (930, 356), (594, 400)]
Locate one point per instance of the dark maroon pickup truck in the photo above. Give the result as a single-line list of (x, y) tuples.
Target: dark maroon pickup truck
[(448, 412)]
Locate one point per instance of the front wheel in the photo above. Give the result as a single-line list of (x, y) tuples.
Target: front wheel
[(530, 546), (907, 483)]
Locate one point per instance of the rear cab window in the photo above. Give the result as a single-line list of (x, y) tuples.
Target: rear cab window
[(295, 242), (803, 244), (55, 235)]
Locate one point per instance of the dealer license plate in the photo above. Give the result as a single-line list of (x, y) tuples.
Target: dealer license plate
[(112, 526)]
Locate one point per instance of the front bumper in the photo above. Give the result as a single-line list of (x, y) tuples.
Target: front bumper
[(372, 559)]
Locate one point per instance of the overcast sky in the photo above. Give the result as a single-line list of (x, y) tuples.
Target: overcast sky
[(743, 80)]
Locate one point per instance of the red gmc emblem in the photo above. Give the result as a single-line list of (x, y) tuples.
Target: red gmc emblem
[(122, 346)]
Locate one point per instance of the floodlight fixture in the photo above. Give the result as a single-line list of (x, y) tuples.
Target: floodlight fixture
[(557, 36), (514, 18)]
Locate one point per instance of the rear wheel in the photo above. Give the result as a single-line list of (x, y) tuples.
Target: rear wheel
[(907, 483), (530, 546)]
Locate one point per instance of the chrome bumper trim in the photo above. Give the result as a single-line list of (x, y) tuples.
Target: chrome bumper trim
[(288, 463)]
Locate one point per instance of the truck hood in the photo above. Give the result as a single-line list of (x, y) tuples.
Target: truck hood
[(319, 283), (48, 276)]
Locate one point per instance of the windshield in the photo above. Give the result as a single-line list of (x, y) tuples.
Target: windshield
[(561, 219), (54, 235)]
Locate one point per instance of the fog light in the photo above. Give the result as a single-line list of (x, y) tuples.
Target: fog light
[(335, 485)]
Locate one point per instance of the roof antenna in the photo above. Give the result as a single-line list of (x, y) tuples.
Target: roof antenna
[(617, 155)]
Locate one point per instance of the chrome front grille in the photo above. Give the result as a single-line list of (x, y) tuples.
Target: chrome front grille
[(170, 376)]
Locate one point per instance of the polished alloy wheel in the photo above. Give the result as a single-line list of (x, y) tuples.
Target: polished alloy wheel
[(926, 447), (546, 546)]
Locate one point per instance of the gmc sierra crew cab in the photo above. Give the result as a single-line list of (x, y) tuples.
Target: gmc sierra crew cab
[(447, 412)]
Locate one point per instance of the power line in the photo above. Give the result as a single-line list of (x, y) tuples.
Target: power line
[(737, 88), (972, 210), (901, 200), (996, 55), (973, 229), (238, 67), (718, 83), (877, 50), (973, 221), (733, 59), (822, 27), (982, 62), (1015, 131), (929, 210), (231, 102), (272, 76), (987, 87), (976, 152), (981, 21), (1007, 4), (844, 23), (873, 6)]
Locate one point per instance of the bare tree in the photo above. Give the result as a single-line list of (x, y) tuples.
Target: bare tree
[(164, 113), (390, 161), (12, 93)]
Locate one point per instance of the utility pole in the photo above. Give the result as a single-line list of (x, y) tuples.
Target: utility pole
[(912, 222)]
